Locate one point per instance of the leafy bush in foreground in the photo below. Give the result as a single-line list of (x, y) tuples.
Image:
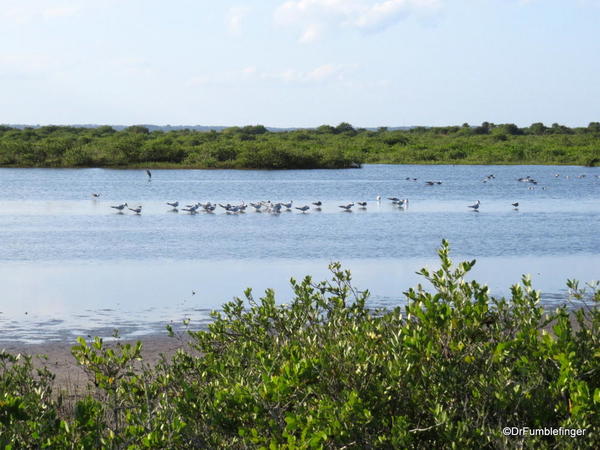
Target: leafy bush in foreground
[(449, 370)]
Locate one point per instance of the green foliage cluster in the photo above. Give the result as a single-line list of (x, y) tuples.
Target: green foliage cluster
[(449, 370), (254, 147)]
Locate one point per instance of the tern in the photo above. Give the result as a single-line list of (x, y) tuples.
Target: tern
[(137, 210), (120, 207), (475, 206)]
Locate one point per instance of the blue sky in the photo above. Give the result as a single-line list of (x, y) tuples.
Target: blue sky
[(300, 62)]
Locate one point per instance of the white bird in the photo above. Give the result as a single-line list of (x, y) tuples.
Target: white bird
[(378, 198), (303, 208), (120, 207), (347, 207), (475, 206), (137, 210), (174, 204)]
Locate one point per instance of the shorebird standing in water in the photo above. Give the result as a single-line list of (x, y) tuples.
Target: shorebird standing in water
[(137, 210), (363, 205), (120, 207), (149, 174), (347, 207), (95, 195), (515, 205), (303, 208), (475, 206)]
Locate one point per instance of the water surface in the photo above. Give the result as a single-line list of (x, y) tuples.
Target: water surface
[(71, 265)]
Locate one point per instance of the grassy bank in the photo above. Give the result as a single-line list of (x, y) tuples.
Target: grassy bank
[(452, 369), (255, 147)]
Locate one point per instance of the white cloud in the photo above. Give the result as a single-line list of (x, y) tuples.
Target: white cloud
[(235, 17), (26, 11), (313, 17), (326, 73)]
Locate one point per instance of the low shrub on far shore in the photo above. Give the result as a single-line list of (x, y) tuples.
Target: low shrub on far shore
[(451, 369)]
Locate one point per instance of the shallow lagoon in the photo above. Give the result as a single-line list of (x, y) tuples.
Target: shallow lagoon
[(70, 265)]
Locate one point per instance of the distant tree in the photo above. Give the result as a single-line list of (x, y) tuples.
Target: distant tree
[(325, 129), (537, 128), (594, 127), (344, 127), (137, 129)]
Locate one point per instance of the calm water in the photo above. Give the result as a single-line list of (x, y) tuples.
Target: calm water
[(71, 265)]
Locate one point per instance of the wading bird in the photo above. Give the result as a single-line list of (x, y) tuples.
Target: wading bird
[(475, 206), (120, 207)]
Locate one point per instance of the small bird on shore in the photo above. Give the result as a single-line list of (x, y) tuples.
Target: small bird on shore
[(378, 198), (347, 207), (173, 204), (362, 204), (95, 195), (303, 208), (475, 206), (318, 204), (137, 210), (149, 174), (516, 205)]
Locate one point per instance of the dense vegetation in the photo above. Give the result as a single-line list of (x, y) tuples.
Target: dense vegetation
[(324, 147), (449, 370)]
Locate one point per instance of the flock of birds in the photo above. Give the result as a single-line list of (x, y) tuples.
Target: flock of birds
[(278, 207), (262, 206)]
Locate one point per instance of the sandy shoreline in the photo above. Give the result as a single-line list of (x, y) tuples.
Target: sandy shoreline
[(69, 374)]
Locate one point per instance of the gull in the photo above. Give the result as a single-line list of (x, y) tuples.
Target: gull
[(475, 206), (191, 208), (303, 208), (347, 207), (120, 207), (137, 210), (362, 204), (318, 204), (174, 204)]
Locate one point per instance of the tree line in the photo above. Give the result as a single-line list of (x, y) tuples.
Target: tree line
[(255, 147)]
